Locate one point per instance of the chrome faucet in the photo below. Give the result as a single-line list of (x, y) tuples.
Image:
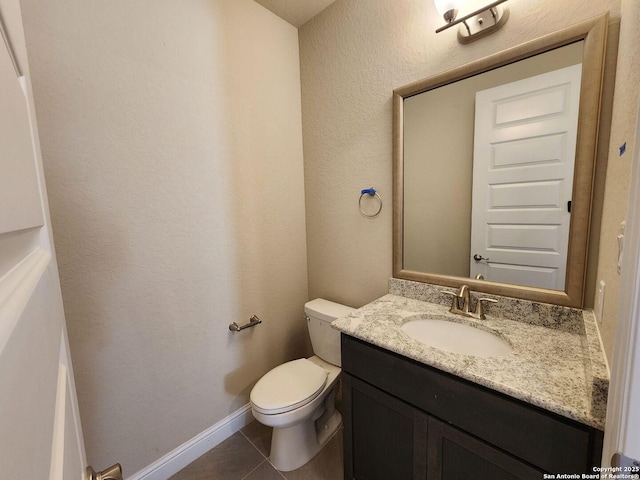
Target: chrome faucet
[(464, 294)]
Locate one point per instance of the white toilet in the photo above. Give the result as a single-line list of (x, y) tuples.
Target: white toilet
[(297, 398)]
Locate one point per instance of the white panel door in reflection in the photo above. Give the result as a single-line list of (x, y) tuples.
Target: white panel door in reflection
[(523, 161)]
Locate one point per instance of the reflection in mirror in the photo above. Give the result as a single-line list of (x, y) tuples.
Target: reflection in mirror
[(510, 208), (493, 169)]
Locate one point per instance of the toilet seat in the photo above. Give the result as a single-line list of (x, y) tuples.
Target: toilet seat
[(288, 386)]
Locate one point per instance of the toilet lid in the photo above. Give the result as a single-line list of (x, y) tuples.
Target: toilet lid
[(288, 386)]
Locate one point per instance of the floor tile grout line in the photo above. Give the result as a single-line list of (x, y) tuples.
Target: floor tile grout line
[(279, 472), (257, 467), (253, 445), (263, 455)]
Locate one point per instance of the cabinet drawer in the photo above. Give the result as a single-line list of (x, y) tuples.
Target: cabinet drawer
[(549, 441)]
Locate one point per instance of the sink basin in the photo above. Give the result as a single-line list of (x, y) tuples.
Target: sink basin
[(455, 337)]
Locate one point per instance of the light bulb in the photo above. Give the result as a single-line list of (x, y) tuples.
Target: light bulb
[(448, 8)]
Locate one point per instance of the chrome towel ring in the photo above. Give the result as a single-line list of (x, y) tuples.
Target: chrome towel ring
[(371, 192)]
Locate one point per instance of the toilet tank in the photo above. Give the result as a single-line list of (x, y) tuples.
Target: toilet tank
[(324, 339)]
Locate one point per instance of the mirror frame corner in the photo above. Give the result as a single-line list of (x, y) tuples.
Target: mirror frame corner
[(594, 34)]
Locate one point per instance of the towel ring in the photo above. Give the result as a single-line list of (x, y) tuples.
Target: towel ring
[(371, 192)]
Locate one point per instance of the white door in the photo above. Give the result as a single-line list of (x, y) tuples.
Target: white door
[(40, 433), (523, 159)]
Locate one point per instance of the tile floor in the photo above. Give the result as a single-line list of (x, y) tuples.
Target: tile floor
[(244, 456)]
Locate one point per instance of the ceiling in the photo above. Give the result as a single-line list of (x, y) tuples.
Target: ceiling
[(296, 12)]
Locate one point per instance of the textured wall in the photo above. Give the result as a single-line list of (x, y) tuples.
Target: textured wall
[(171, 137), (623, 128), (352, 56)]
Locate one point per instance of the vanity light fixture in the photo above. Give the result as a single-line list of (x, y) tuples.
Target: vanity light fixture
[(475, 25)]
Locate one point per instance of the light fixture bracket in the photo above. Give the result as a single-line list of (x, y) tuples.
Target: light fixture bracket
[(483, 24), (480, 23)]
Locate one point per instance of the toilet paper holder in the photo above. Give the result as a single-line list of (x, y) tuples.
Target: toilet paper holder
[(253, 321)]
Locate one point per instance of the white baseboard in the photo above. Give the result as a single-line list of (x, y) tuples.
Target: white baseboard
[(186, 453)]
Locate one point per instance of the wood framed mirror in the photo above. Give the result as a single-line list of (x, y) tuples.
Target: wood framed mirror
[(438, 151)]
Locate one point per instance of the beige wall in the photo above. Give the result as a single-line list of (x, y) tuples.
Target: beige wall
[(171, 138), (623, 127), (352, 56)]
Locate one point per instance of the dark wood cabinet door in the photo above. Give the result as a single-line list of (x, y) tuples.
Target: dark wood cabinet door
[(384, 438), (455, 455)]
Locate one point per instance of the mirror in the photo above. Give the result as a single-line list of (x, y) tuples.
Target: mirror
[(474, 175)]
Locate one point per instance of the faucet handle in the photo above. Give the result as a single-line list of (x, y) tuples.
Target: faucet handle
[(454, 299), (480, 309)]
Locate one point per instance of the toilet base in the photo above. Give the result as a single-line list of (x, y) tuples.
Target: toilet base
[(294, 446)]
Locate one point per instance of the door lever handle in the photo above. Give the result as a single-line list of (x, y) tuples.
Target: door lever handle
[(477, 257), (114, 472)]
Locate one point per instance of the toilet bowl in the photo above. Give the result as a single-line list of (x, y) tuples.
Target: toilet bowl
[(297, 398)]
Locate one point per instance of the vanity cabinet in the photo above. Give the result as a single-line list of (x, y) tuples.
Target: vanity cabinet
[(406, 420)]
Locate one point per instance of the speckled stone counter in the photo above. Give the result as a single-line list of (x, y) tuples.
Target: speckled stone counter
[(556, 363)]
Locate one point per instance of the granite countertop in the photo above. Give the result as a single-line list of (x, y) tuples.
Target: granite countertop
[(560, 368)]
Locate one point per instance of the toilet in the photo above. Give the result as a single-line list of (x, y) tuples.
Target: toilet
[(297, 398)]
